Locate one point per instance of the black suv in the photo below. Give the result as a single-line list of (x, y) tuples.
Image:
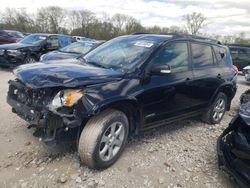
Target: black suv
[(29, 49), (127, 85)]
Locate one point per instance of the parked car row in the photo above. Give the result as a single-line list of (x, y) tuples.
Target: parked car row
[(29, 49), (10, 36), (71, 51)]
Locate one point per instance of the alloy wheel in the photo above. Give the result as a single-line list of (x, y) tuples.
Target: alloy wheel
[(219, 109), (111, 141)]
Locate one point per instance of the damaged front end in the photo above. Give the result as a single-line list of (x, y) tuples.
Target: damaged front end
[(233, 146), (52, 111)]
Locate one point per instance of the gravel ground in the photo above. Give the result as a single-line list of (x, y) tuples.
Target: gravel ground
[(182, 154)]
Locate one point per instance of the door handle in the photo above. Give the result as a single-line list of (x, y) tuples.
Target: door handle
[(188, 79), (219, 76)]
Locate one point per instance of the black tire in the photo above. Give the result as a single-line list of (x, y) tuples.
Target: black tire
[(208, 117), (245, 97), (90, 143), (30, 60)]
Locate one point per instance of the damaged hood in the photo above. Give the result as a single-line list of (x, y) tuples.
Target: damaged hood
[(40, 75)]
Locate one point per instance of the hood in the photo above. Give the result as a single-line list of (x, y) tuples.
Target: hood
[(57, 55), (15, 46), (40, 75)]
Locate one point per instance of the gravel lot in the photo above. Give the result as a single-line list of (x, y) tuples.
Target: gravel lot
[(182, 154)]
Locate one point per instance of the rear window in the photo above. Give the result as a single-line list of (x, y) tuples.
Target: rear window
[(202, 55)]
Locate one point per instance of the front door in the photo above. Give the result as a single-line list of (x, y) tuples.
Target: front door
[(168, 95)]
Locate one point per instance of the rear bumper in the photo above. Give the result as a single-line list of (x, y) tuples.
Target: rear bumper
[(233, 166)]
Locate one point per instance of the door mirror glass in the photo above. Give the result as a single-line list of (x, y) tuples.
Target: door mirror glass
[(160, 69)]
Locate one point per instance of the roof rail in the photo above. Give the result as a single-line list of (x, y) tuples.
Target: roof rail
[(204, 38), (183, 35), (140, 33)]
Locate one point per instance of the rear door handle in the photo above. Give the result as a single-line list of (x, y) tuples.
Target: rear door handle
[(188, 79)]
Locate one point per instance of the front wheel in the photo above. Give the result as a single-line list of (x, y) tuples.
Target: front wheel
[(217, 110), (30, 60), (103, 139)]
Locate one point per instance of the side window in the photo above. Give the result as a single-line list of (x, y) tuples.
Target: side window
[(202, 55), (175, 55), (53, 42)]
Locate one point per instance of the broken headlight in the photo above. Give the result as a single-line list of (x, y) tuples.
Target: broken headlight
[(67, 97)]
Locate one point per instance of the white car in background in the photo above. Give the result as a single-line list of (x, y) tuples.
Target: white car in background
[(246, 72), (79, 38)]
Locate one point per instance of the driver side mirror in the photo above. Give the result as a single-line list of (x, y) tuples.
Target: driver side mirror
[(160, 69)]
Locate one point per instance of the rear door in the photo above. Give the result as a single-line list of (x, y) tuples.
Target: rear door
[(207, 74)]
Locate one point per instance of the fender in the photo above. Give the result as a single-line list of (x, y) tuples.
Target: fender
[(96, 108), (230, 92), (128, 104)]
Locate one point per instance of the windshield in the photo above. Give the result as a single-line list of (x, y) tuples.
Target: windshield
[(33, 39), (79, 47), (121, 53)]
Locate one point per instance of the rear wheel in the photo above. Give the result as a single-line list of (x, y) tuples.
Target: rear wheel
[(217, 110), (103, 139)]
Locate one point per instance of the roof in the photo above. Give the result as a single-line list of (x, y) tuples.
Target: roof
[(10, 31), (168, 36)]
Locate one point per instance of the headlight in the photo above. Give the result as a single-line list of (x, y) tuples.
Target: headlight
[(14, 52), (67, 97)]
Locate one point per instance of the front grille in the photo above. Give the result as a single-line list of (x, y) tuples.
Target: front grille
[(28, 96)]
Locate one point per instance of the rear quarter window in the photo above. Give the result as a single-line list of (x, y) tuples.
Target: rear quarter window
[(202, 55), (220, 53)]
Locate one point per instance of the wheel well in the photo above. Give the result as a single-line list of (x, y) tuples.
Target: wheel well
[(130, 110), (227, 90)]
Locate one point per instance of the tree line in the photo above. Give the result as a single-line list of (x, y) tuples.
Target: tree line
[(54, 19)]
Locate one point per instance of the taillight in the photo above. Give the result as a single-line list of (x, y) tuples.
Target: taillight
[(235, 69)]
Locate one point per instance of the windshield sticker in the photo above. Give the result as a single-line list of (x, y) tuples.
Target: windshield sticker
[(146, 44), (41, 38)]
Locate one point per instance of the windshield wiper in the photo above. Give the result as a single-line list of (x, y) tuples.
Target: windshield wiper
[(95, 64), (81, 58)]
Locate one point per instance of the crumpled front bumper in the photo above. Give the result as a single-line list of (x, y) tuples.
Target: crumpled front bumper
[(51, 127), (228, 161)]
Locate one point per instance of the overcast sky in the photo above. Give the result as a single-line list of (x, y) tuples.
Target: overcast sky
[(224, 16)]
